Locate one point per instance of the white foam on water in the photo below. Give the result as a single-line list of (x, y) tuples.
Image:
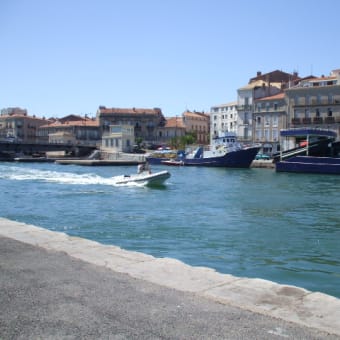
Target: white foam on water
[(26, 174)]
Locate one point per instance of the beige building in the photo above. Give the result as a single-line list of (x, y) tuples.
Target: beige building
[(62, 137), (146, 122), (17, 125), (174, 128), (83, 130), (263, 85), (198, 123), (270, 116)]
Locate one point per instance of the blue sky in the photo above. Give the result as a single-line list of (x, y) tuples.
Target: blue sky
[(61, 57)]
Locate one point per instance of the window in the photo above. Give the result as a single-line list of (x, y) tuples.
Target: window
[(275, 106), (330, 98), (275, 134), (275, 120), (266, 134), (258, 134), (329, 112), (317, 113)]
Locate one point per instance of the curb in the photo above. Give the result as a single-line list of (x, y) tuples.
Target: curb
[(290, 303)]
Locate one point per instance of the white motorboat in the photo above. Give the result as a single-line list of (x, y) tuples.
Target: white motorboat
[(144, 177)]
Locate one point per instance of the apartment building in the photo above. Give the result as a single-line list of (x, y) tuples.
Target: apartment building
[(269, 117), (223, 118), (315, 102), (199, 124), (17, 125), (263, 85), (146, 122), (174, 128), (70, 129)]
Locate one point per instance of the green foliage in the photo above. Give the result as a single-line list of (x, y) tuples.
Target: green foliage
[(183, 141)]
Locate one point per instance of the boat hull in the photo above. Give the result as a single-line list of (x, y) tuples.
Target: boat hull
[(173, 163), (156, 160), (309, 164), (157, 178), (235, 159)]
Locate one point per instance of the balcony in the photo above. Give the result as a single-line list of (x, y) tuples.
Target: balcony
[(317, 120), (244, 107), (296, 121), (329, 120), (307, 120)]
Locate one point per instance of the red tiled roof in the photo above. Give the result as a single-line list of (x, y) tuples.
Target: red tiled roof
[(113, 110), (174, 122), (196, 114), (280, 95), (87, 122)]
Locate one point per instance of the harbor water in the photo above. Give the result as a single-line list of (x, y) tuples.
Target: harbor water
[(245, 222)]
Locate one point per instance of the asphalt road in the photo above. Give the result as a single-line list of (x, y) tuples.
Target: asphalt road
[(49, 295)]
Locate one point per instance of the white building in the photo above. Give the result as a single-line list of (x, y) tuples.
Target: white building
[(223, 118), (120, 138)]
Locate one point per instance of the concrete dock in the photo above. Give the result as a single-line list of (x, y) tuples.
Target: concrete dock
[(54, 286), (97, 162)]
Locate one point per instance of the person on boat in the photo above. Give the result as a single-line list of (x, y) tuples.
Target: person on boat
[(140, 168), (147, 167), (143, 167)]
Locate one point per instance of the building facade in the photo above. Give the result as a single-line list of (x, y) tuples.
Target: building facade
[(146, 122), (223, 118), (263, 85), (270, 116), (82, 130), (315, 102), (119, 138), (174, 128), (199, 124), (17, 125)]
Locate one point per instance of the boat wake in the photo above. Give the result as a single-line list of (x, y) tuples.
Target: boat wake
[(24, 174)]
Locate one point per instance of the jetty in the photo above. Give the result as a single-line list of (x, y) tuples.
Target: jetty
[(97, 162)]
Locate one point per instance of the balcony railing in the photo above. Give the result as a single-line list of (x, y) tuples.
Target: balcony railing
[(244, 107), (296, 121), (317, 120), (329, 120), (307, 120)]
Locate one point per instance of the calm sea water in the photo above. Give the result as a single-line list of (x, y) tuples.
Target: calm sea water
[(245, 222)]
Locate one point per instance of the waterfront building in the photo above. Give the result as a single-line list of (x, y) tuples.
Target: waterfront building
[(315, 102), (223, 118), (146, 122), (270, 116), (80, 130), (119, 138), (174, 128), (17, 125), (197, 123), (263, 85)]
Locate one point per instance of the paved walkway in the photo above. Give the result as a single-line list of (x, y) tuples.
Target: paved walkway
[(53, 286)]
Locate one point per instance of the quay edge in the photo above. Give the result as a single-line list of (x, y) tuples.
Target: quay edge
[(289, 303)]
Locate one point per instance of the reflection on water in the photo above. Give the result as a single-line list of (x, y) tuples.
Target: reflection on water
[(246, 222)]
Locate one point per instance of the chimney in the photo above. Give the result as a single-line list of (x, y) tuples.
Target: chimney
[(258, 74)]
